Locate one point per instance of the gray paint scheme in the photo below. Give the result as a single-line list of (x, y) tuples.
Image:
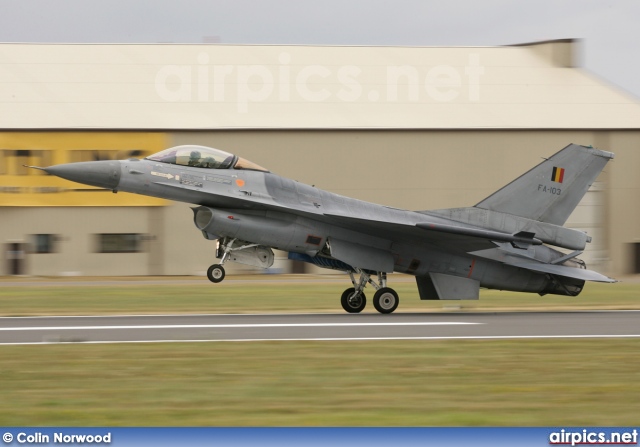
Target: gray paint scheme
[(497, 244)]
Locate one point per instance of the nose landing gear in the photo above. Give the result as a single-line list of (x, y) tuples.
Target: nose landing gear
[(215, 273)]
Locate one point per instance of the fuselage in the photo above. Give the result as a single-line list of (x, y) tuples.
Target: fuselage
[(267, 209)]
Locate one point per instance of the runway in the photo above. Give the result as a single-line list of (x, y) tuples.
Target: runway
[(320, 327)]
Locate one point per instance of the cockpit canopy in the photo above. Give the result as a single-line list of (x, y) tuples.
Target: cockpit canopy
[(203, 157)]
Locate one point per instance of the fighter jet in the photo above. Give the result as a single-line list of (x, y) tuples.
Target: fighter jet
[(508, 241)]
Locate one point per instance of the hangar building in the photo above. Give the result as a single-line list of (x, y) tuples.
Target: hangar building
[(408, 127)]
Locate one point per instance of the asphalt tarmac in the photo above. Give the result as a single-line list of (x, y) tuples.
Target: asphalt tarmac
[(321, 327)]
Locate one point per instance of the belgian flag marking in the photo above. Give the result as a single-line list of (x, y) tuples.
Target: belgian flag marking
[(557, 175)]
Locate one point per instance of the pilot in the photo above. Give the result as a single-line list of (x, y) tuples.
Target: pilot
[(194, 159), (208, 162)]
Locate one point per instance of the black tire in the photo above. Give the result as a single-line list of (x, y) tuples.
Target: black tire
[(351, 305), (386, 300), (215, 273)]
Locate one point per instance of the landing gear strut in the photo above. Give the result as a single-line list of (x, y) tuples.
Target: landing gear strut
[(353, 299), (216, 272)]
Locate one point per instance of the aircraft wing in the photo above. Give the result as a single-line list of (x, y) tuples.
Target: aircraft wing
[(448, 237)]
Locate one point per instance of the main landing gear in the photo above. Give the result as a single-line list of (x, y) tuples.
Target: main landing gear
[(385, 300)]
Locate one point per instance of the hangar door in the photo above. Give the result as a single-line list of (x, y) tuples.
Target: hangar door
[(589, 216)]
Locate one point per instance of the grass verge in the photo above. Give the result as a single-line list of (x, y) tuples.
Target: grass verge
[(275, 296), (394, 383)]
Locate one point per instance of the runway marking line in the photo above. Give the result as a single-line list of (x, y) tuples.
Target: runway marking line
[(245, 340), (240, 325), (437, 313)]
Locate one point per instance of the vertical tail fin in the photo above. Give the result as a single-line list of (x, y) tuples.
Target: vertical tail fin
[(551, 191)]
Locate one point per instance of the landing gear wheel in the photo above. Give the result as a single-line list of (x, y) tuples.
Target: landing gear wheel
[(351, 303), (215, 273), (386, 300)]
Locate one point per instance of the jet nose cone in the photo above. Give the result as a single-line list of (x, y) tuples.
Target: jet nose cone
[(103, 174)]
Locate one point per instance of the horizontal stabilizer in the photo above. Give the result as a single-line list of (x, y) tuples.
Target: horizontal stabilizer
[(523, 260), (563, 270)]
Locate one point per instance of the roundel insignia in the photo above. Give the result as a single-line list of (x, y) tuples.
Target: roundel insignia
[(240, 182)]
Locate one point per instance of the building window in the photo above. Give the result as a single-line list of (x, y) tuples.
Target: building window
[(119, 243), (78, 155), (12, 161), (44, 243)]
